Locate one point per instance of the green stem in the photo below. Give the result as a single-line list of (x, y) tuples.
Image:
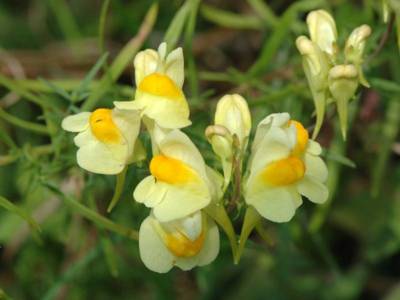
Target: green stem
[(192, 72), (12, 85), (101, 220), (37, 128), (120, 180), (123, 59)]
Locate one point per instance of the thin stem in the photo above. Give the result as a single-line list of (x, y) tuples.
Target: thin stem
[(37, 128)]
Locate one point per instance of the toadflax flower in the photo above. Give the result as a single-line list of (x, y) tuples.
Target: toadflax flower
[(185, 243), (180, 182), (106, 138), (159, 81), (284, 165)]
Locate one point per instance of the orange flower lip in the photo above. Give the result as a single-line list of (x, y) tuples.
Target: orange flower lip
[(171, 170), (160, 85), (284, 172), (103, 126)]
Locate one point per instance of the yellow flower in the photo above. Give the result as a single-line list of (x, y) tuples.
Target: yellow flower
[(283, 166), (180, 182), (185, 243), (106, 138), (159, 81)]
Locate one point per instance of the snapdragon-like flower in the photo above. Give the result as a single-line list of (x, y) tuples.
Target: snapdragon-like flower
[(106, 138), (180, 182), (187, 242), (320, 57), (284, 165), (159, 81)]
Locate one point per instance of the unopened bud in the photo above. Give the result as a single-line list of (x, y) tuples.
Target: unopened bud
[(323, 31), (355, 44), (233, 113), (316, 67), (222, 144)]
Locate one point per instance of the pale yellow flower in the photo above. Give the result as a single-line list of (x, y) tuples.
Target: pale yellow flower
[(185, 243), (180, 182), (159, 81), (106, 138), (284, 165)]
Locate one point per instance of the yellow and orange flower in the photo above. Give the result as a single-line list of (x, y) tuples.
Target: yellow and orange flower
[(180, 182), (159, 81), (284, 165), (107, 138), (185, 243)]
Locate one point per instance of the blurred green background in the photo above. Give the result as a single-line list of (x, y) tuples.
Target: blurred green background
[(348, 248)]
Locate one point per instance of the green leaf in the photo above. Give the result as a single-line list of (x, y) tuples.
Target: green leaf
[(174, 30), (217, 212), (120, 180), (109, 253), (123, 59), (84, 85), (34, 127), (230, 20), (8, 205), (280, 34), (100, 220), (339, 158)]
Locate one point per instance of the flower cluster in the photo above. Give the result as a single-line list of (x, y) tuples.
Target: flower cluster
[(332, 76), (185, 196)]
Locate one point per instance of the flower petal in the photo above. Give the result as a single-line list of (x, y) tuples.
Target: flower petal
[(211, 244), (178, 145), (174, 66), (85, 137), (166, 112), (314, 148), (98, 158), (275, 204), (207, 254), (149, 192), (181, 200), (153, 252), (128, 122), (145, 63), (76, 123), (314, 190), (316, 168)]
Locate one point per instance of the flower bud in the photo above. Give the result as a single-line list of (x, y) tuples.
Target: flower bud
[(323, 31), (220, 140), (316, 67), (222, 144), (233, 113), (343, 83), (354, 49), (355, 44)]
